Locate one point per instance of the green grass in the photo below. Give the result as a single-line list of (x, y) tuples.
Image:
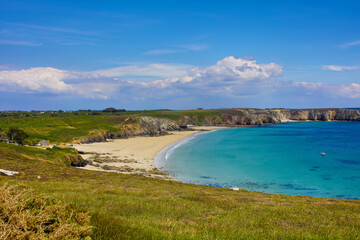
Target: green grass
[(60, 128), (136, 207), (68, 127)]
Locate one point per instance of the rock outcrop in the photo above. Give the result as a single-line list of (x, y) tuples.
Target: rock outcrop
[(252, 116), (323, 114), (142, 126), (75, 160)]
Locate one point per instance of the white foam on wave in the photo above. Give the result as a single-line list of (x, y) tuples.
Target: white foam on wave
[(162, 157)]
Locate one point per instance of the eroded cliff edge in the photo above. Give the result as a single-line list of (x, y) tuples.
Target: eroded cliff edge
[(153, 126), (265, 116)]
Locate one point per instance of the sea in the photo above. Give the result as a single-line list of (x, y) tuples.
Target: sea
[(320, 159)]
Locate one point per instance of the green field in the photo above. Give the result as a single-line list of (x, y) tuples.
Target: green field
[(135, 207), (65, 127)]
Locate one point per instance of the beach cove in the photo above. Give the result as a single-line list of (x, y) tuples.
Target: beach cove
[(133, 155), (278, 159)]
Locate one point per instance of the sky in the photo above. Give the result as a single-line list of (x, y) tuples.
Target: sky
[(137, 55)]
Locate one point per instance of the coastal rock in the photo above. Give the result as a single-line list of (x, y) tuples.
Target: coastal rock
[(322, 114), (139, 126), (273, 116), (250, 117), (76, 160), (158, 125), (8, 173)]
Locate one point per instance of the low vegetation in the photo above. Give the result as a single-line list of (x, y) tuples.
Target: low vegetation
[(25, 215), (135, 207), (65, 127)]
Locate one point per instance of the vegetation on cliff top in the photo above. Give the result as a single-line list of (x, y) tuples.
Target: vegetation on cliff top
[(135, 207), (65, 127)]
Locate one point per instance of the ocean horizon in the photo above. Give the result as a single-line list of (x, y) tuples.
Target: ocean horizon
[(279, 159)]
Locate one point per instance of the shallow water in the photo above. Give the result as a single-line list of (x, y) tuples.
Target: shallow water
[(284, 159)]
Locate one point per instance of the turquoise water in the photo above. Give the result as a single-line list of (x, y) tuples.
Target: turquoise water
[(282, 159)]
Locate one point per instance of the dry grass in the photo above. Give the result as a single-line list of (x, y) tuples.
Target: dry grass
[(24, 215)]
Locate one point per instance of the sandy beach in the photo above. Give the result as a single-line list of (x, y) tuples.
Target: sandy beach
[(132, 155)]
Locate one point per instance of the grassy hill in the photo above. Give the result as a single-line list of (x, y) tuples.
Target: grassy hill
[(136, 207), (62, 127)]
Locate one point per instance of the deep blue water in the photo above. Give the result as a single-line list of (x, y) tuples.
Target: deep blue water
[(283, 159)]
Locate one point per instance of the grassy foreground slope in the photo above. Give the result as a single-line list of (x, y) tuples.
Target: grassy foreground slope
[(136, 207)]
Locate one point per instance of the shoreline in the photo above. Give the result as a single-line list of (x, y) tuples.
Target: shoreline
[(134, 155), (161, 158), (141, 155)]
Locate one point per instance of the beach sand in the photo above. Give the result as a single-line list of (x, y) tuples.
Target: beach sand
[(132, 155)]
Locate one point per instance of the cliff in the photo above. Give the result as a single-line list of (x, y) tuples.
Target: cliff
[(137, 126), (251, 116), (153, 126)]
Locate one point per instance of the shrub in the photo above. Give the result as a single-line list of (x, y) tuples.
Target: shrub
[(17, 135)]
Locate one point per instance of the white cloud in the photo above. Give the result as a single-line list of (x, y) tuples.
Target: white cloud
[(159, 71), (194, 47), (339, 68), (14, 33), (40, 79), (177, 49), (19, 43), (232, 75), (47, 28), (162, 51), (350, 44), (351, 91), (230, 78)]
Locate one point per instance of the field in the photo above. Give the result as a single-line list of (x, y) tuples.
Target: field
[(65, 127), (136, 207)]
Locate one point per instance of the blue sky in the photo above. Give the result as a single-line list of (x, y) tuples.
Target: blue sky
[(179, 54)]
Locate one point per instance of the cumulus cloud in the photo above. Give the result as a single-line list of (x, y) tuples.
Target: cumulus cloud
[(339, 68), (46, 79), (36, 79), (230, 78), (235, 76)]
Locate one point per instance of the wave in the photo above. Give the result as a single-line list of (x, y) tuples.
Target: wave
[(162, 157)]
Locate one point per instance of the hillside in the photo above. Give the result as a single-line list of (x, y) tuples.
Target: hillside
[(92, 126), (136, 207)]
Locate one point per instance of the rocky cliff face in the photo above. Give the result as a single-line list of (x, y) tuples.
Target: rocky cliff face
[(250, 116), (323, 114), (143, 126), (223, 117)]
